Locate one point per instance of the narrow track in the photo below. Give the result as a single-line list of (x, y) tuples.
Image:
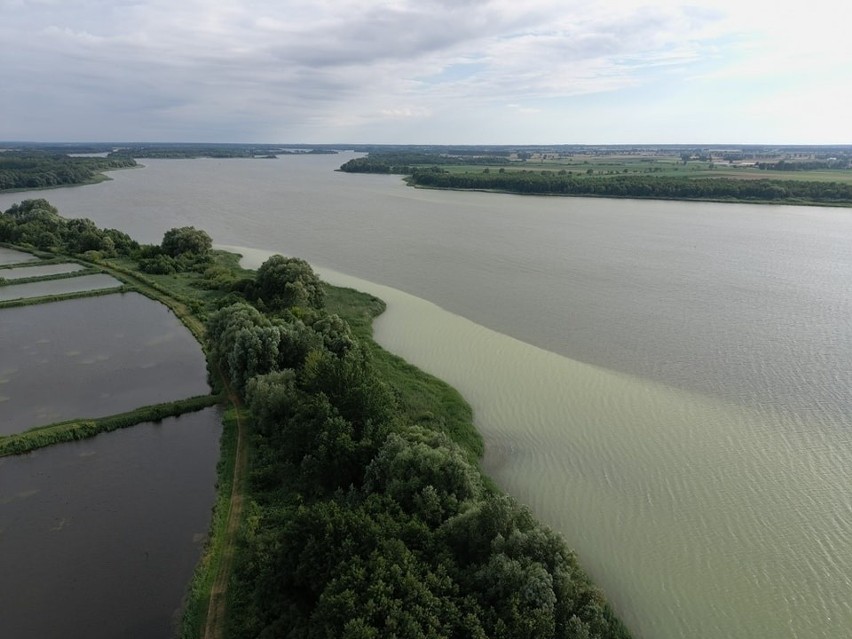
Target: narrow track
[(214, 627)]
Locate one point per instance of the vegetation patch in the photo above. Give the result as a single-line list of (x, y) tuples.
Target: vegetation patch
[(198, 594), (46, 299), (38, 169), (84, 428)]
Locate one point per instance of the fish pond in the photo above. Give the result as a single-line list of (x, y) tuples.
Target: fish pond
[(99, 538), (11, 256), (93, 357), (39, 270), (64, 286)]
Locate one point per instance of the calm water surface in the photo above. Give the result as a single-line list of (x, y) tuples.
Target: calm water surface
[(96, 282), (93, 357), (9, 256), (678, 404), (38, 271), (99, 538)]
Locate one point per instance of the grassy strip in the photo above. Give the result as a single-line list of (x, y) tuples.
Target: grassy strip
[(54, 276), (46, 299), (198, 593), (81, 429), (39, 262), (423, 398)]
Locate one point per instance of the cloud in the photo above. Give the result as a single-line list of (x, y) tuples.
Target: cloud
[(218, 69)]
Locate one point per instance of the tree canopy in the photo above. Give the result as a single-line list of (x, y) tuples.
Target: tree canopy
[(285, 282)]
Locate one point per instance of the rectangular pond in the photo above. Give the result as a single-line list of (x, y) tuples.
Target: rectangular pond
[(10, 256), (100, 537), (80, 284), (93, 357), (39, 270)]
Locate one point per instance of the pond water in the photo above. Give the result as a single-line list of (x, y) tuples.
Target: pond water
[(39, 271), (96, 282), (99, 538), (678, 402), (93, 357), (10, 256)]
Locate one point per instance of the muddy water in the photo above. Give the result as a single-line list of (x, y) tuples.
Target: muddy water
[(698, 517)]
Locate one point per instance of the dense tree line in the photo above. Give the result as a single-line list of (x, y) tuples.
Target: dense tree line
[(362, 524), (37, 224), (192, 151), (840, 163), (562, 183), (36, 169), (404, 163), (182, 249)]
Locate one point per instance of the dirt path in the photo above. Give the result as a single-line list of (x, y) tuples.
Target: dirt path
[(214, 627)]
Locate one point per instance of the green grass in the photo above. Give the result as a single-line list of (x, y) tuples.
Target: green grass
[(43, 278), (31, 301), (76, 429), (189, 287), (660, 167), (423, 398), (198, 594)]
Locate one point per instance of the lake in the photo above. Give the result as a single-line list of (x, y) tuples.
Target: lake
[(665, 382)]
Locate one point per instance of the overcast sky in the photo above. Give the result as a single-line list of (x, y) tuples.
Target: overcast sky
[(427, 71)]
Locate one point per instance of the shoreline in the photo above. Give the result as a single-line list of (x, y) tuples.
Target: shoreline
[(627, 470), (827, 205)]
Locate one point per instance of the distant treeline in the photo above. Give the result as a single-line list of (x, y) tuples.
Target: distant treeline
[(405, 163), (37, 170), (632, 186), (362, 523), (807, 165), (193, 151)]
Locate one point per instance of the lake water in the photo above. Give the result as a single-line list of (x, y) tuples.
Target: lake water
[(99, 538), (93, 357), (667, 383)]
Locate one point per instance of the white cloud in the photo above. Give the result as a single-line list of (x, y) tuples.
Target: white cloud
[(221, 69)]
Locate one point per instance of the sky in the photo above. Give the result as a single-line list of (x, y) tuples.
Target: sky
[(427, 71)]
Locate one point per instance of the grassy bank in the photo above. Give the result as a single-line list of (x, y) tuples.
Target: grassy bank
[(423, 398), (46, 299), (77, 429), (198, 595), (43, 278)]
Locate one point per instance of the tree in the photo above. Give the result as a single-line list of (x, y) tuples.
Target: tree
[(284, 282), (186, 239)]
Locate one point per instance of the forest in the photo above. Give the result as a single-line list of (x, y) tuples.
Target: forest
[(658, 187), (32, 169)]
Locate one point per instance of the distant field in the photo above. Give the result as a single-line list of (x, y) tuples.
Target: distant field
[(668, 167)]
